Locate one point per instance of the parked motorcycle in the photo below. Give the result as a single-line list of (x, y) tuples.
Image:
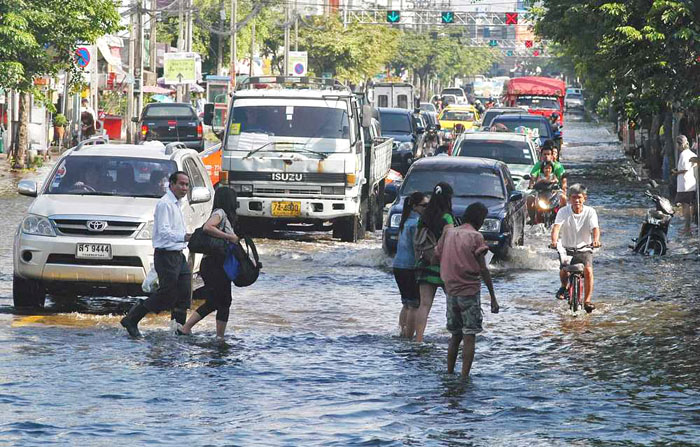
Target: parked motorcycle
[(546, 203), (653, 236)]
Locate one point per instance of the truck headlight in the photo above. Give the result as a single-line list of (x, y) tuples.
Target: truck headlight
[(491, 226), (406, 146), (146, 232), (395, 220), (242, 188), (333, 190), (38, 226)]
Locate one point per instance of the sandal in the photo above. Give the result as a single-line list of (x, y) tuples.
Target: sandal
[(589, 307), (562, 294)]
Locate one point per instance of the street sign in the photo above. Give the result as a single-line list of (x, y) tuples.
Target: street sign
[(511, 18), (297, 63), (82, 57), (393, 16), (509, 52), (448, 17), (180, 68)]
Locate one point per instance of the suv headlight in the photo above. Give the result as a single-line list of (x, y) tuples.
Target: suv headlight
[(38, 226), (491, 226), (146, 232), (406, 146), (395, 220)]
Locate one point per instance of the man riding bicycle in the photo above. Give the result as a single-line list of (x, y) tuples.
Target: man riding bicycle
[(577, 224), (546, 155)]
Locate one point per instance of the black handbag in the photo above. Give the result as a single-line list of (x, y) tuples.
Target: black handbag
[(201, 242)]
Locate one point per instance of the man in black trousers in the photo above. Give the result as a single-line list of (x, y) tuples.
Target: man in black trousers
[(169, 240)]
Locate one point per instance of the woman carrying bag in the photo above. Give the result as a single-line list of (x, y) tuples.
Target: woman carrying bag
[(217, 284)]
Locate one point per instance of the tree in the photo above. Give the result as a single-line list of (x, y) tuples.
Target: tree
[(39, 37)]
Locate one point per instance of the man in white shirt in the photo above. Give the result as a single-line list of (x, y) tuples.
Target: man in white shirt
[(169, 240), (577, 224), (686, 184)]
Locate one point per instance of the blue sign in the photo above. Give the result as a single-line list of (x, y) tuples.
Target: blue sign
[(393, 16), (82, 57), (448, 17)]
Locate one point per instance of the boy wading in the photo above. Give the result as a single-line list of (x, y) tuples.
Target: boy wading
[(169, 240), (462, 253)]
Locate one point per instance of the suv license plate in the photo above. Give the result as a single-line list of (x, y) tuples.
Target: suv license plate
[(93, 251), (286, 209)]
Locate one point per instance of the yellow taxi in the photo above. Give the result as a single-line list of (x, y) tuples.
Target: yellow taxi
[(463, 114)]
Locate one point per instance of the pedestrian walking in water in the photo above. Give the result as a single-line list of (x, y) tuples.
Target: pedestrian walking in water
[(405, 262), (169, 240), (462, 251), (436, 217), (217, 285), (686, 184)]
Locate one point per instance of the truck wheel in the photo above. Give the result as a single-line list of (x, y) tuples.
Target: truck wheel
[(379, 211), (27, 293), (352, 228)]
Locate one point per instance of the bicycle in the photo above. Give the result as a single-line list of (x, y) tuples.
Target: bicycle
[(574, 286)]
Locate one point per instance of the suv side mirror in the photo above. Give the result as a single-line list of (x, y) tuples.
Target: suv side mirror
[(134, 119), (27, 188), (515, 196), (208, 114), (200, 194)]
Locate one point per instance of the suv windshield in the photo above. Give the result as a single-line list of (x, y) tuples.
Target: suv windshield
[(535, 102), (541, 125), (111, 176), (509, 152), (395, 123), (168, 112), (479, 183), (293, 121)]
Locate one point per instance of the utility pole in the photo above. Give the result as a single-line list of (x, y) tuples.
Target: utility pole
[(220, 45), (180, 41), (252, 46), (286, 39), (296, 26), (188, 44), (153, 41), (234, 31), (138, 69), (130, 89)]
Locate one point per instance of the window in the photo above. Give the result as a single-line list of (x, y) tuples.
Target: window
[(293, 121), (540, 125), (402, 102), (465, 183), (536, 102), (395, 123), (509, 152), (111, 176), (383, 101), (169, 112), (457, 115)]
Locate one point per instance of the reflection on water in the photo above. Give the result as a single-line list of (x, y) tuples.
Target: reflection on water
[(312, 357)]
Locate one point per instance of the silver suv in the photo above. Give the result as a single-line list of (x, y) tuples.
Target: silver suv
[(88, 232)]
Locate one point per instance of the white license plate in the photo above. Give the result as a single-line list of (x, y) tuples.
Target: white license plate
[(93, 251)]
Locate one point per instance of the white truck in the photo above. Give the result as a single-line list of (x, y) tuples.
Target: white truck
[(399, 95), (303, 154)]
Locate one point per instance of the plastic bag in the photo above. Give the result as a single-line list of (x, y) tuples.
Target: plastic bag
[(150, 282)]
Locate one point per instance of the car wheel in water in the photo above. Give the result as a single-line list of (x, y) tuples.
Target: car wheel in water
[(27, 293)]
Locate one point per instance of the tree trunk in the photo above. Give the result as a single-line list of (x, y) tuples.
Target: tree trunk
[(23, 132)]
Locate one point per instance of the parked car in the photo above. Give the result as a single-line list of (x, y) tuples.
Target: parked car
[(88, 231), (515, 150), (493, 112), (406, 128), (539, 122), (473, 179), (169, 122)]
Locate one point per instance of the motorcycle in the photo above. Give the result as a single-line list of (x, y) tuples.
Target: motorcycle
[(546, 203), (653, 236), (432, 140)]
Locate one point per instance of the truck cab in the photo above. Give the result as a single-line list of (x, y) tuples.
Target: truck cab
[(295, 150)]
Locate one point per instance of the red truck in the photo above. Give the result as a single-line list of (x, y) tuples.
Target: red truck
[(541, 96)]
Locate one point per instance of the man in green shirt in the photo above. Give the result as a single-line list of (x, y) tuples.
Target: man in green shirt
[(546, 155)]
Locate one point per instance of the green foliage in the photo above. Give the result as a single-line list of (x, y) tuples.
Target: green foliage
[(39, 37), (60, 120)]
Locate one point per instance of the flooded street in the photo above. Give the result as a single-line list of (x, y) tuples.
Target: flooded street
[(312, 356)]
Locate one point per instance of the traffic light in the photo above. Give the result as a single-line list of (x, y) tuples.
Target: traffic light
[(493, 43), (528, 44), (511, 18), (448, 17), (393, 16)]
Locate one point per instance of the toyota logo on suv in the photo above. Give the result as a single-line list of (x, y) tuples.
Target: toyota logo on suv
[(96, 226)]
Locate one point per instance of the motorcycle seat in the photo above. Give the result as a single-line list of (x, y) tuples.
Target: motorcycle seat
[(574, 268)]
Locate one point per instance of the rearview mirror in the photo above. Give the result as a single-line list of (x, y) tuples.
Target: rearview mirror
[(219, 134), (526, 177), (200, 194), (27, 188), (366, 116), (135, 119), (208, 114), (515, 196)]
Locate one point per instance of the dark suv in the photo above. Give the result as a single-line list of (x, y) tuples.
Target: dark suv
[(168, 122), (407, 129)]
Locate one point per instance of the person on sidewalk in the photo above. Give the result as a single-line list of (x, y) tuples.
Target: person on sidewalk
[(169, 240), (217, 284), (462, 251), (686, 183)]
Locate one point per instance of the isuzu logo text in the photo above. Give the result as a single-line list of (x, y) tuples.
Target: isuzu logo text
[(287, 177)]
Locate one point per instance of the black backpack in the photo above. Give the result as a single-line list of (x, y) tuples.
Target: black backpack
[(249, 269)]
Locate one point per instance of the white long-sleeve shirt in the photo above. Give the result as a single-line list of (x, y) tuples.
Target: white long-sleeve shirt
[(169, 224)]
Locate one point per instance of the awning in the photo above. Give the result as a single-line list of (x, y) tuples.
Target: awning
[(156, 89), (105, 44)]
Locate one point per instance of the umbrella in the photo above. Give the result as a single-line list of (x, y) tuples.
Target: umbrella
[(156, 89)]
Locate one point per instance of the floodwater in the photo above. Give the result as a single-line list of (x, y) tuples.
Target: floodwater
[(312, 357)]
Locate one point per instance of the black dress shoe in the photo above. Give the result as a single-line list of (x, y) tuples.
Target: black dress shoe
[(131, 327)]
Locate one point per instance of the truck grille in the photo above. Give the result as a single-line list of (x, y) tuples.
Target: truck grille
[(285, 178), (288, 191), (119, 228)]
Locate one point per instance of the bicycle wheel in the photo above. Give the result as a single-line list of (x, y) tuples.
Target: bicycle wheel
[(574, 294)]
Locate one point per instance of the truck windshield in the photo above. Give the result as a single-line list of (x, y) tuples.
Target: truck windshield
[(536, 102), (395, 123), (292, 121), (111, 176), (481, 183), (509, 152)]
